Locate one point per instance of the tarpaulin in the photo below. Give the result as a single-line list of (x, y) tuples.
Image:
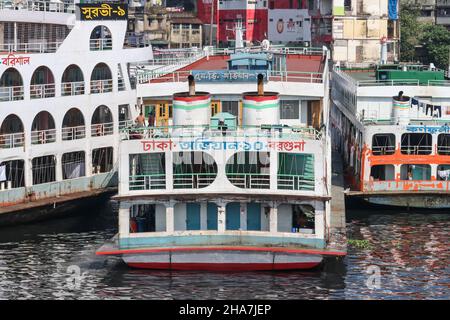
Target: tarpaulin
[(393, 9)]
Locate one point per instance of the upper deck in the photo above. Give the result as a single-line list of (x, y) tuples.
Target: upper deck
[(302, 71)]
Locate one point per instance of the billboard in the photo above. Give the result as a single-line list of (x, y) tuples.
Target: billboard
[(289, 25)]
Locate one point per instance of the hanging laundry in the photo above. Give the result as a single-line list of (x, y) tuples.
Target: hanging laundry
[(437, 111), (444, 174), (414, 102), (3, 173), (429, 107)]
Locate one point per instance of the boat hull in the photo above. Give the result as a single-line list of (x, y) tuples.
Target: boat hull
[(222, 260), (412, 201)]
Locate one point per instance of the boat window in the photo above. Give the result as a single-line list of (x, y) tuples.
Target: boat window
[(193, 170), (383, 144), (295, 171), (249, 170), (289, 109), (43, 128), (416, 143), (147, 171), (231, 107), (73, 126), (101, 39), (102, 160), (383, 172), (444, 144), (11, 85), (44, 169), (415, 172), (42, 83), (302, 218), (443, 172), (142, 218), (11, 132), (12, 174), (72, 81), (73, 165), (102, 122)]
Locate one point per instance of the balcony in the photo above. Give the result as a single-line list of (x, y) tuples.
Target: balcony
[(12, 140), (11, 93), (101, 86), (100, 44), (43, 136), (102, 129), (72, 88), (73, 133), (40, 91)]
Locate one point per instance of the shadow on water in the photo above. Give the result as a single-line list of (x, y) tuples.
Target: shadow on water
[(410, 251)]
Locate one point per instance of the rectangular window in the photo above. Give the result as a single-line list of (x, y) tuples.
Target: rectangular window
[(44, 169), (231, 107), (290, 109)]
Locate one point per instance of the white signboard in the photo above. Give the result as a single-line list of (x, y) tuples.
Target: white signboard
[(289, 25)]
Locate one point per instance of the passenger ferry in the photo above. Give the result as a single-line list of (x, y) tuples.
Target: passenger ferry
[(392, 124), (232, 170), (66, 88)]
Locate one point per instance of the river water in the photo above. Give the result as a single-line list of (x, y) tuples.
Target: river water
[(404, 256)]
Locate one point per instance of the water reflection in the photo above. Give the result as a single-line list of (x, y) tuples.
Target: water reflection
[(42, 260)]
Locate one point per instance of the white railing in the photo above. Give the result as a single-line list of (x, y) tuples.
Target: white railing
[(290, 182), (415, 149), (73, 133), (100, 44), (396, 82), (147, 182), (38, 6), (12, 140), (125, 124), (101, 86), (11, 93), (435, 83), (277, 76), (102, 129), (43, 136), (40, 91), (193, 180), (250, 180), (443, 150), (72, 88), (383, 150), (34, 47)]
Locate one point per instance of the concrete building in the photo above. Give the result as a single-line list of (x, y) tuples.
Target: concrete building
[(185, 31), (362, 27), (443, 12)]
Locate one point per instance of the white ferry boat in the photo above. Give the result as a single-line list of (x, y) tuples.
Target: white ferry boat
[(232, 169), (392, 124), (66, 88)]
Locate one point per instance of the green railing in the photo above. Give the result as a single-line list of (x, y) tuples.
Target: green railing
[(193, 180), (294, 182), (147, 182), (250, 180)]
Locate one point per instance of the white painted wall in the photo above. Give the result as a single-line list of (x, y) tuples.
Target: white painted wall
[(160, 218)]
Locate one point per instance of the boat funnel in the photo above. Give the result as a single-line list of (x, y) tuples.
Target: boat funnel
[(191, 108), (401, 106), (261, 107)]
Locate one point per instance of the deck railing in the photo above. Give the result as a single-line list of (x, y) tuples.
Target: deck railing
[(445, 150), (39, 5), (383, 150), (147, 182), (43, 136), (294, 182), (102, 129), (193, 180), (121, 84), (157, 76), (101, 86), (32, 47), (40, 91), (250, 180), (11, 93), (100, 44), (72, 88), (12, 140), (414, 149), (276, 132), (73, 133)]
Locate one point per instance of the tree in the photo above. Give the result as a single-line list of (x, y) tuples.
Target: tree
[(436, 42), (410, 30)]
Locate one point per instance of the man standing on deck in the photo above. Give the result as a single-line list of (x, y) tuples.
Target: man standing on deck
[(140, 120)]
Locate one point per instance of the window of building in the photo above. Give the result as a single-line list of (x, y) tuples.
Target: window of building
[(383, 144), (290, 109)]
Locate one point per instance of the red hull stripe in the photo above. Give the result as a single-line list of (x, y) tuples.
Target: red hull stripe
[(190, 99), (260, 98), (283, 250), (225, 266)]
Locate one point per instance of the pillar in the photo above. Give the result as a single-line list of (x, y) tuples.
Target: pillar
[(203, 216), (273, 219), (221, 218), (124, 219), (243, 216), (170, 223)]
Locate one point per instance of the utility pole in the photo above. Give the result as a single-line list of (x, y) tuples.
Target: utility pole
[(212, 22)]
